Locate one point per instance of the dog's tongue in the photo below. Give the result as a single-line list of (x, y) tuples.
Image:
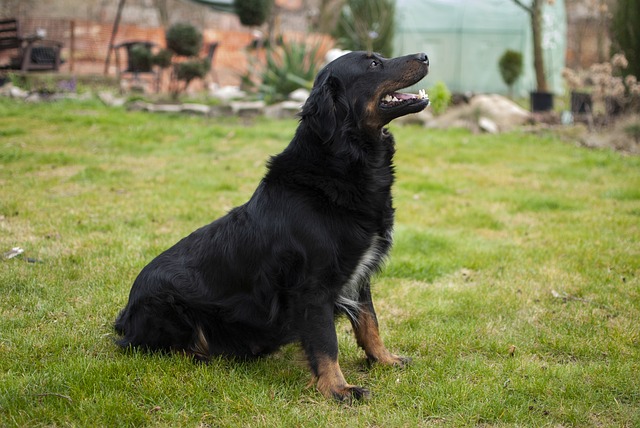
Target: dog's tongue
[(401, 96)]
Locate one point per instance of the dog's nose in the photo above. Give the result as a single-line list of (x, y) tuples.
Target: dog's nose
[(422, 57)]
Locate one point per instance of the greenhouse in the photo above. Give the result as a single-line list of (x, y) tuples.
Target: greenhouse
[(465, 40)]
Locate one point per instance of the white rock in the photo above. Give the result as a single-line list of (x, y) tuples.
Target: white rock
[(506, 114), (15, 92), (300, 95), (495, 111), (227, 93), (488, 125), (109, 99)]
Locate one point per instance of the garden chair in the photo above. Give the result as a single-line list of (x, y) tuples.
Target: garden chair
[(28, 53)]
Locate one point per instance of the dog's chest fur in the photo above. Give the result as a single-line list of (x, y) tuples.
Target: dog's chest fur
[(370, 261)]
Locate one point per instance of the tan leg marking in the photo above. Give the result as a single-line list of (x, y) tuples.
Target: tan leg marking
[(368, 337), (331, 382)]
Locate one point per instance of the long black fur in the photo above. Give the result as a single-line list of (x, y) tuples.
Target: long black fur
[(279, 268)]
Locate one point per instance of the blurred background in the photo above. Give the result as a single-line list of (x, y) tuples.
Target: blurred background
[(463, 38), (578, 59)]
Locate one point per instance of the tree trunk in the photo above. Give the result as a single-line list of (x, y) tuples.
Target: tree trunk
[(538, 59), (535, 11)]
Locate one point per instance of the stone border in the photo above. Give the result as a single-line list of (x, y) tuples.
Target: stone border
[(244, 109)]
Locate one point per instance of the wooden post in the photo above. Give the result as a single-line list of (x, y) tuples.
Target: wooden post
[(72, 45), (114, 32)]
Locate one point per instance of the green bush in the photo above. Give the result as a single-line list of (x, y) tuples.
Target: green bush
[(252, 12), (163, 58), (184, 39), (192, 69), (510, 66), (439, 97), (140, 58), (367, 25)]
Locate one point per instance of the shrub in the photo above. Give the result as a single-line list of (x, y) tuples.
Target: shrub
[(252, 12), (163, 58), (192, 69), (140, 58), (184, 39), (510, 66), (440, 98), (605, 84), (291, 66)]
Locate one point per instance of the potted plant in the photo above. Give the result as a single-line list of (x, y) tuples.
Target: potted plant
[(183, 41), (603, 83), (541, 98), (611, 86), (252, 13), (191, 69), (581, 100)]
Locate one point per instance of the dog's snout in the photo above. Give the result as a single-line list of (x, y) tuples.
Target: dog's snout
[(422, 57)]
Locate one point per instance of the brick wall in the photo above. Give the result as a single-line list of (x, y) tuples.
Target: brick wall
[(86, 44)]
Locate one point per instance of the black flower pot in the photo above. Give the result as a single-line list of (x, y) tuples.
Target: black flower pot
[(541, 101), (581, 103)]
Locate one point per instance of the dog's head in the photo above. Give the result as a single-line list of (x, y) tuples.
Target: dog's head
[(360, 89)]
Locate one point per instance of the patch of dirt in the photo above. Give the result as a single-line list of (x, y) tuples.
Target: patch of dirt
[(620, 133), (623, 135)]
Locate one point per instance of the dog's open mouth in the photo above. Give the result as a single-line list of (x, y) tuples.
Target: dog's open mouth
[(397, 99)]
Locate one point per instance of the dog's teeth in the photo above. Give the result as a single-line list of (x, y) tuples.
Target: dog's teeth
[(387, 98), (394, 99), (422, 94)]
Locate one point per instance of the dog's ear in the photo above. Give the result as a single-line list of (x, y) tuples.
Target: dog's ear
[(325, 109)]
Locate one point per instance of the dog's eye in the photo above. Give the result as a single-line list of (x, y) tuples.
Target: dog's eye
[(374, 64)]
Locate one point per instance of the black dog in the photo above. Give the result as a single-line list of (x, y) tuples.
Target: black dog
[(281, 267)]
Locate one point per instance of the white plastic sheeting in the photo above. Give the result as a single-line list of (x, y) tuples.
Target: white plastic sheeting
[(465, 39)]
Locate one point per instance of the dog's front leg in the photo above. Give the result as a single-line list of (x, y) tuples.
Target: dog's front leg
[(365, 327), (319, 340)]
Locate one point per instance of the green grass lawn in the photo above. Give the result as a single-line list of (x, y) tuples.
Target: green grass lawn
[(514, 282)]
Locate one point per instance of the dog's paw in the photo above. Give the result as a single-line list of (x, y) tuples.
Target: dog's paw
[(400, 361), (351, 393), (391, 360)]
